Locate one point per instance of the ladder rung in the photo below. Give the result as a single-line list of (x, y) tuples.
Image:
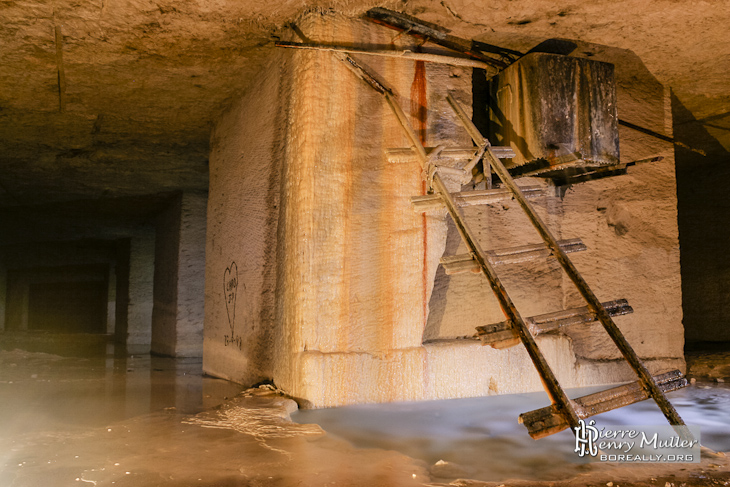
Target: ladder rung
[(501, 335), (407, 154), (548, 420), (457, 264), (429, 202), (503, 152)]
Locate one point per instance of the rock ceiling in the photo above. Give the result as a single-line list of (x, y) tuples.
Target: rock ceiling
[(116, 98)]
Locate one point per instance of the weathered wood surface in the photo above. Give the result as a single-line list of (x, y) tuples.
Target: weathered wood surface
[(429, 202), (555, 108), (496, 333), (547, 421), (397, 53), (438, 35), (407, 154), (457, 264)]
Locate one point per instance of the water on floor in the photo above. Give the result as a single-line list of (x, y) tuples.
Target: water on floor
[(480, 438), (148, 421)]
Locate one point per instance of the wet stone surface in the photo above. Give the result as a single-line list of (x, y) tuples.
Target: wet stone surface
[(147, 421)]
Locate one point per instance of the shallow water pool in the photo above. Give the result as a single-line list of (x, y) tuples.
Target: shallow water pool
[(480, 438)]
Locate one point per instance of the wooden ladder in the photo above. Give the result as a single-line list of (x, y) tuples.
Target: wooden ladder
[(563, 412)]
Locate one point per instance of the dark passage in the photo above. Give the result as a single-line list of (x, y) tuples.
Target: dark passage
[(68, 307), (704, 235)]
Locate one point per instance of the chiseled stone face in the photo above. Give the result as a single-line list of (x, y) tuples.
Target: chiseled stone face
[(321, 277)]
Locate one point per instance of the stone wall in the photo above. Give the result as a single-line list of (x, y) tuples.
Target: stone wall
[(164, 311), (177, 316), (243, 212), (140, 292), (191, 275)]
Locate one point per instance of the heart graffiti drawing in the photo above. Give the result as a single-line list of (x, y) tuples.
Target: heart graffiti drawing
[(230, 288)]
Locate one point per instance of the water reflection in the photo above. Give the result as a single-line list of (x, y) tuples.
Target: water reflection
[(40, 391), (150, 421), (131, 421), (481, 438)]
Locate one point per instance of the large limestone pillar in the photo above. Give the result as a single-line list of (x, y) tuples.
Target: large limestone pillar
[(111, 300), (319, 273), (191, 275), (140, 279), (177, 316)]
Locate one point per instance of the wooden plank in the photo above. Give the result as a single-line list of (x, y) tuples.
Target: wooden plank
[(430, 202), (457, 264), (397, 53), (593, 303), (593, 173), (460, 173), (574, 316), (497, 332), (407, 154), (431, 32), (543, 166), (547, 421), (526, 253)]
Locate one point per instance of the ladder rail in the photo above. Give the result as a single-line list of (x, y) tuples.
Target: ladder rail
[(591, 300), (552, 386)]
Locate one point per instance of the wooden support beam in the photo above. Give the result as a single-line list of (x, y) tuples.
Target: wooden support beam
[(407, 154), (457, 264), (547, 421), (430, 32), (394, 53), (430, 202), (497, 333), (659, 136)]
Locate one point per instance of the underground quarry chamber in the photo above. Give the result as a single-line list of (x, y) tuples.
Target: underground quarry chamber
[(341, 298), (307, 270)]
